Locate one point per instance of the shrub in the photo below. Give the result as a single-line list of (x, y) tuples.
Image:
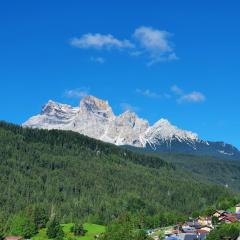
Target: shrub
[(78, 229), (54, 229), (225, 231)]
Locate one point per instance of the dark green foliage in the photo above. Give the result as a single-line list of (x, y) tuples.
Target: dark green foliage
[(54, 229), (195, 214), (226, 203), (224, 172), (225, 231), (168, 218), (214, 221), (2, 231), (39, 215), (222, 204), (123, 233), (78, 230), (21, 225), (86, 179), (208, 211), (72, 142), (125, 228)]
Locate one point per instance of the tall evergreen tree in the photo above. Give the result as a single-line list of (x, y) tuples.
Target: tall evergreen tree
[(2, 231), (78, 229), (54, 229)]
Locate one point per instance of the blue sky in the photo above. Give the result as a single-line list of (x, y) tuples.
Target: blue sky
[(173, 59)]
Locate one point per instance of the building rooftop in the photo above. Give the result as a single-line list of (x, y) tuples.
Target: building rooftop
[(13, 238)]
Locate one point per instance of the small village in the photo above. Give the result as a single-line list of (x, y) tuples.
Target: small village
[(197, 229)]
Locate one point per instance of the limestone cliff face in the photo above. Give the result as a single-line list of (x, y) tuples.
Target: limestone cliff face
[(95, 118)]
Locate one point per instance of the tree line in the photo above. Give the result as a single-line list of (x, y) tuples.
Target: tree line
[(82, 178)]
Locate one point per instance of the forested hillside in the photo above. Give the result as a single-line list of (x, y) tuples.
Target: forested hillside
[(216, 170), (81, 177), (224, 172)]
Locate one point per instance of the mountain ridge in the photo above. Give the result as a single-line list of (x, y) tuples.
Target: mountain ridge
[(95, 118)]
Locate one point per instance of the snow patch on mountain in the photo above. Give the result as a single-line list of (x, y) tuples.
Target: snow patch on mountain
[(164, 131)]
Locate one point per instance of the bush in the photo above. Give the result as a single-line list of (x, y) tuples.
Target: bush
[(225, 231), (54, 229), (214, 220), (78, 229)]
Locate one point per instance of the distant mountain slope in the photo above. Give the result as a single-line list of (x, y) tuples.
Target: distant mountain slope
[(95, 118), (82, 177), (205, 148), (224, 172)]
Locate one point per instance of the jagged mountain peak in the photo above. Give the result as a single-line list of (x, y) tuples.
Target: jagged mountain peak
[(129, 113), (169, 131), (91, 104), (130, 116), (52, 106), (95, 118), (49, 106), (162, 123)]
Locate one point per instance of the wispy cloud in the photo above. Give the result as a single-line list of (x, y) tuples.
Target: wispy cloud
[(136, 53), (148, 93), (100, 60), (177, 90), (193, 97), (128, 107), (100, 41), (153, 44), (77, 93), (156, 43)]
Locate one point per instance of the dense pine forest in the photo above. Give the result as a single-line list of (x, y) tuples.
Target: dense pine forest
[(79, 177), (220, 171), (225, 172)]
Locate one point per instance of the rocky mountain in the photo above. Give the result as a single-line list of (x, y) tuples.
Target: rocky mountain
[(95, 118)]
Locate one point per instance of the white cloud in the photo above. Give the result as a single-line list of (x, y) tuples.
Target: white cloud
[(194, 97), (156, 43), (100, 41), (147, 42), (128, 107), (77, 93), (172, 57), (100, 60), (148, 93), (177, 90)]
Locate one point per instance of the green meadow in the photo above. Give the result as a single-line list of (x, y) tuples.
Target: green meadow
[(92, 230)]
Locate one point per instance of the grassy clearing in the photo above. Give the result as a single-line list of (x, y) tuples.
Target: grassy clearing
[(232, 209), (92, 230)]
